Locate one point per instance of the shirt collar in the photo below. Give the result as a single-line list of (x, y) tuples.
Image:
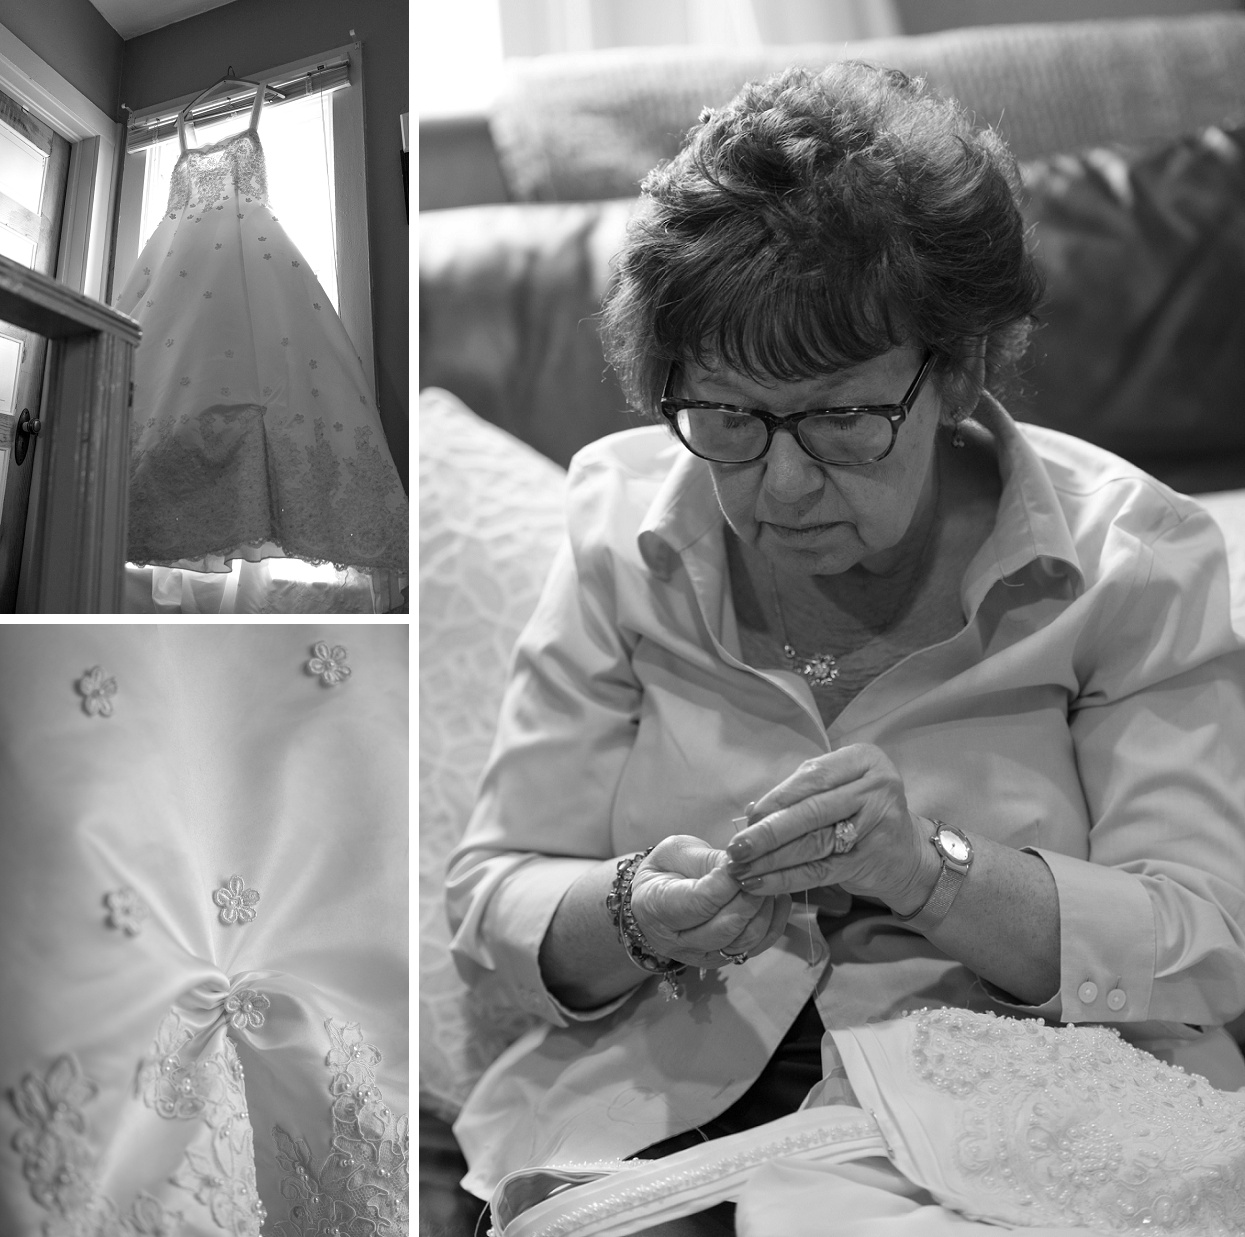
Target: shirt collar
[(1030, 526)]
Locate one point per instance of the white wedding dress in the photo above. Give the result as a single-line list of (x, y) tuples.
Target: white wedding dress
[(254, 434), (203, 909)]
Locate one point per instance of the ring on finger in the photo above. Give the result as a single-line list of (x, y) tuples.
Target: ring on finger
[(738, 959), (844, 837)]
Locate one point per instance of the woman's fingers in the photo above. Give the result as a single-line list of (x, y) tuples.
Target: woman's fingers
[(840, 819)]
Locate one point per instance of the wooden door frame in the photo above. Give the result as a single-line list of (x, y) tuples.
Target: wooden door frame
[(74, 556)]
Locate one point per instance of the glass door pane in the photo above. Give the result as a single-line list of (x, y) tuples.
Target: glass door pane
[(34, 170)]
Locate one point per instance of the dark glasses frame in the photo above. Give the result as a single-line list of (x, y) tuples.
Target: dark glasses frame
[(895, 414)]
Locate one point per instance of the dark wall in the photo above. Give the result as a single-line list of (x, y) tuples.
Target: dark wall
[(75, 40), (924, 16), (254, 35)]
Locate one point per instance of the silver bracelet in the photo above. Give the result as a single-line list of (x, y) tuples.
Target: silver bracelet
[(630, 936)]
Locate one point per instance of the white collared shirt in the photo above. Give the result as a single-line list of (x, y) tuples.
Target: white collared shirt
[(1092, 709)]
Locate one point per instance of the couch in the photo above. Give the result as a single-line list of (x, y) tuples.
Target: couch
[(1131, 136)]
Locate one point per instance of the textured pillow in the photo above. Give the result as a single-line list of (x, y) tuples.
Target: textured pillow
[(1142, 344), (490, 519)]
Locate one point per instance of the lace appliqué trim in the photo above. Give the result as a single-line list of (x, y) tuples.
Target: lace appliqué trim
[(362, 1188), (211, 1090), (59, 1163), (207, 174), (1073, 1126)]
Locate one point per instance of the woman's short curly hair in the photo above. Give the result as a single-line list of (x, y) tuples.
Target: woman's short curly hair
[(817, 221)]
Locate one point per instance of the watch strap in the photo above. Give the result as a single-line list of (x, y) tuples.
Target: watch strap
[(946, 888)]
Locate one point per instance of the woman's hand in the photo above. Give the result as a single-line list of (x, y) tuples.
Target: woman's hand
[(691, 910), (790, 846)]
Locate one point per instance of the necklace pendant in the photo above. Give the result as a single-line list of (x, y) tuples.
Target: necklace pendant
[(819, 670)]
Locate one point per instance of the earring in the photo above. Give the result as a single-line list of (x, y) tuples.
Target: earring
[(957, 439)]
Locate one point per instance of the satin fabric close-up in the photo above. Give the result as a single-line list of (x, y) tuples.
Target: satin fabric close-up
[(203, 904)]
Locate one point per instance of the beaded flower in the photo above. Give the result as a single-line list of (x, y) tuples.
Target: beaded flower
[(246, 1008), (236, 901), (96, 692), (329, 665), (126, 910)]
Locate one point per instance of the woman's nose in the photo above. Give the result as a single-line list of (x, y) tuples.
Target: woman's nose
[(790, 472)]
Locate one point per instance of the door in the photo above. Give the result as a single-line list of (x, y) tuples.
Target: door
[(34, 170)]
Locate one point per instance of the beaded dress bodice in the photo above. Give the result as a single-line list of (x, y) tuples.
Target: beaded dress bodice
[(203, 178)]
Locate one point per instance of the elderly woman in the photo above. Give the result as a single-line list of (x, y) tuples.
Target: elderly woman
[(848, 695)]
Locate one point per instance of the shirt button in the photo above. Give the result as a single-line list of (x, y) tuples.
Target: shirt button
[(1116, 998), (1088, 992)]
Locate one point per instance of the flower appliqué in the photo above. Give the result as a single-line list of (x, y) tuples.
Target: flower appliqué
[(315, 304), (229, 352), (246, 1008), (97, 692), (267, 390), (285, 341), (263, 238), (328, 664), (313, 365), (267, 256), (295, 262), (126, 910), (150, 304), (185, 383), (299, 418), (224, 390), (236, 901), (146, 270), (168, 343), (182, 274), (218, 242), (207, 296)]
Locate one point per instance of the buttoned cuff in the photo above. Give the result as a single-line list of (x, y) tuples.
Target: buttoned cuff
[(515, 924), (1107, 945)]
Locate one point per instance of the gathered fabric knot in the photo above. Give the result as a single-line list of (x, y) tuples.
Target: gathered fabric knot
[(246, 1008)]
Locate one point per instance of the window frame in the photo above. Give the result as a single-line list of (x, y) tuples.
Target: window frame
[(354, 271), (94, 140)]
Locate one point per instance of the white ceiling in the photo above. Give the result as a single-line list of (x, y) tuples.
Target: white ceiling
[(131, 17)]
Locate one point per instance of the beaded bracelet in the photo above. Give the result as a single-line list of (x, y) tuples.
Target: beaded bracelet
[(630, 937)]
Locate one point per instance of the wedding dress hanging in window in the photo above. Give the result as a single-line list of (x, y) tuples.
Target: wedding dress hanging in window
[(254, 434)]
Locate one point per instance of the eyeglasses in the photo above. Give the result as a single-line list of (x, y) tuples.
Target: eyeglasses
[(848, 437)]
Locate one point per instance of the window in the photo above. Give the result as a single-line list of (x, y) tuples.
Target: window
[(298, 149), (313, 147)]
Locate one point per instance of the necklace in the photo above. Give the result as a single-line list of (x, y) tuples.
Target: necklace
[(821, 669)]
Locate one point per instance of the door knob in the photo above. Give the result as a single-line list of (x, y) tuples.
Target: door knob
[(25, 431)]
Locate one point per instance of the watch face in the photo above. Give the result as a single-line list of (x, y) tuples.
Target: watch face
[(954, 845)]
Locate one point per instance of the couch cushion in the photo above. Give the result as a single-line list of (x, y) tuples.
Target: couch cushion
[(508, 297), (1142, 344), (490, 519), (569, 128)]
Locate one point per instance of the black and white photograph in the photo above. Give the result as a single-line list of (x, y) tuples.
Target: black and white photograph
[(832, 617)]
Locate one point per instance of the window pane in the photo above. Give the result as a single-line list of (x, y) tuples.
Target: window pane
[(22, 166)]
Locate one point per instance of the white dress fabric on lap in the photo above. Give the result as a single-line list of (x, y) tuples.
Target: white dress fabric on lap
[(254, 433), (203, 904)]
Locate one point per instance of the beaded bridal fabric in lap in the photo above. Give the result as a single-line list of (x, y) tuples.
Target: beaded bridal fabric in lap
[(203, 904), (254, 433)]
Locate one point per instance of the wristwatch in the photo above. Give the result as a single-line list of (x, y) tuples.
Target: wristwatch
[(956, 853)]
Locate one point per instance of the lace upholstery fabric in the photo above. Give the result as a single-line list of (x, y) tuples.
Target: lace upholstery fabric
[(490, 519), (166, 1055), (253, 430), (1021, 1123)]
